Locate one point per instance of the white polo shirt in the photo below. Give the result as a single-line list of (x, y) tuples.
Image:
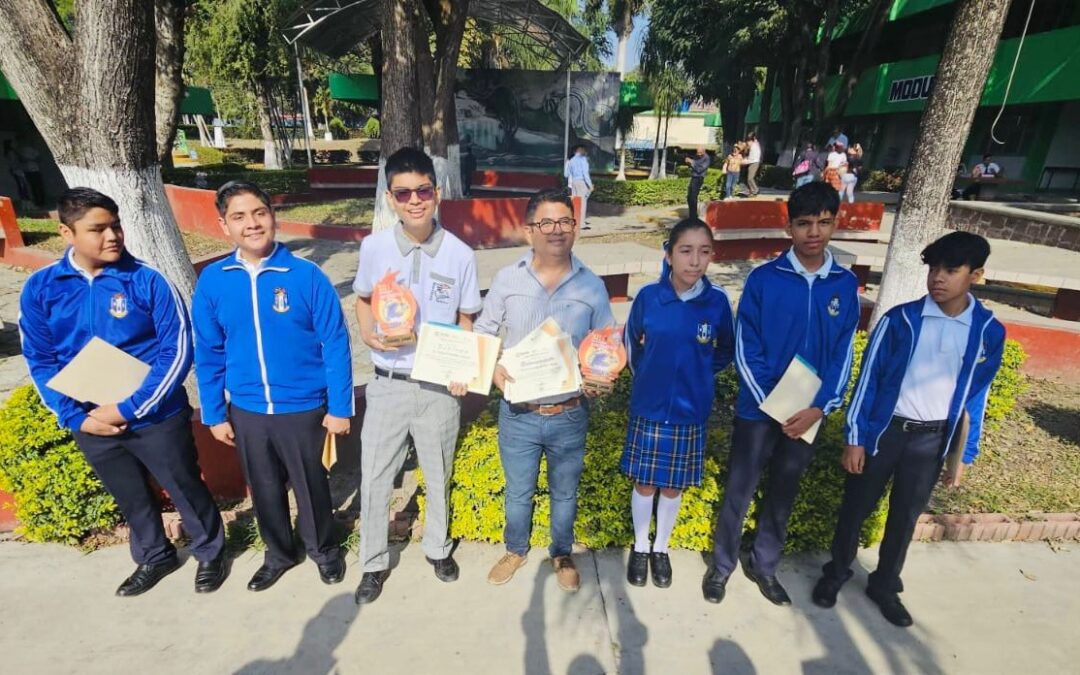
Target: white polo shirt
[(440, 272), (930, 379)]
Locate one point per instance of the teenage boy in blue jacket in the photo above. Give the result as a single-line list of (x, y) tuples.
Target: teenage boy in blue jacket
[(928, 364), (802, 304), (269, 329), (97, 289)]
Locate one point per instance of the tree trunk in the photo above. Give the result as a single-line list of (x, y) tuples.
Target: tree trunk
[(401, 124), (272, 158), (867, 41), (832, 12), (91, 97), (924, 200), (654, 172), (448, 17), (623, 30), (663, 151), (765, 113), (168, 66)]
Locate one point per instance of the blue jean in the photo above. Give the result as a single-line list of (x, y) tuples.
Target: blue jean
[(523, 437), (731, 181), (804, 179)]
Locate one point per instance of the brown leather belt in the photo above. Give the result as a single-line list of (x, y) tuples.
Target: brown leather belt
[(547, 409)]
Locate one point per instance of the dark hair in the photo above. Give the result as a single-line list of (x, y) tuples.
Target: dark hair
[(549, 196), (957, 249), (238, 187), (813, 199), (752, 136), (74, 204), (681, 228), (409, 160)]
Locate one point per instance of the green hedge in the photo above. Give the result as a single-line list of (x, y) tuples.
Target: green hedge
[(57, 496), (671, 191), (477, 486), (282, 181)]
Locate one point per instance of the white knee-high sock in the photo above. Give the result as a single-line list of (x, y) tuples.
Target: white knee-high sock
[(666, 512), (641, 508)]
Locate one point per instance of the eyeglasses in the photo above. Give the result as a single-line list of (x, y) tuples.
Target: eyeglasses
[(404, 195), (548, 226)]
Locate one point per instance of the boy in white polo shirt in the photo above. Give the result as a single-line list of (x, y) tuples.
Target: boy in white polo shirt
[(440, 271)]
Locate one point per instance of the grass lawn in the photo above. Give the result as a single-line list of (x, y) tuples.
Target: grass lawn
[(1030, 462), (348, 212), (41, 233)]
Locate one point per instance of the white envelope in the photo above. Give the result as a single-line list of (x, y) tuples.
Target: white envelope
[(100, 373), (794, 392)]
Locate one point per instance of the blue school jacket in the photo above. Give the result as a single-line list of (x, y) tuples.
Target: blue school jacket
[(675, 349), (886, 359), (128, 304), (274, 337), (780, 316)]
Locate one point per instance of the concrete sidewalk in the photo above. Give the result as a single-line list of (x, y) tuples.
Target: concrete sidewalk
[(979, 608)]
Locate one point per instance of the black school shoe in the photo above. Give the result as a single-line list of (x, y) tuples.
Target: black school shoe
[(211, 574), (891, 608), (713, 586), (266, 576), (146, 577), (770, 587), (660, 564), (446, 569), (637, 568), (370, 587), (826, 590), (332, 572)]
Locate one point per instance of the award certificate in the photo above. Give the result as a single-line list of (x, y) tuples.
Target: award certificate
[(446, 354)]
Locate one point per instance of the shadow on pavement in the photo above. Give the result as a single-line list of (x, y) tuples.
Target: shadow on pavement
[(321, 637)]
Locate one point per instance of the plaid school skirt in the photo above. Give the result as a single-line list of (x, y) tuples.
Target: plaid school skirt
[(664, 455)]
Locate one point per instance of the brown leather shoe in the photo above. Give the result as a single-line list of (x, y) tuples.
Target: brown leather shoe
[(503, 570), (565, 573)]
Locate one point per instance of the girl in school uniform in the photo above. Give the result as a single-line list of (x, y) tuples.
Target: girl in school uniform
[(679, 335)]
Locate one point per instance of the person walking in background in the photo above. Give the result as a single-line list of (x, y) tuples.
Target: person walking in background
[(468, 165), (838, 136), (803, 172), (577, 173), (987, 168), (15, 168), (835, 167), (699, 165), (851, 176), (732, 167), (679, 335), (752, 162), (31, 167)]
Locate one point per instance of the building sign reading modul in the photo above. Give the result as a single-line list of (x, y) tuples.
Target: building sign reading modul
[(911, 89)]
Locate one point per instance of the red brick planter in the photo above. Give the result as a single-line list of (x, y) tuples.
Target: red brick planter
[(997, 527)]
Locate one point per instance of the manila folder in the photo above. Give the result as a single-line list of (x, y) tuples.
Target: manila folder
[(794, 392), (100, 373)]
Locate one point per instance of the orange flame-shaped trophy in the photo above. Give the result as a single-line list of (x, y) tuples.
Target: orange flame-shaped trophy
[(602, 358), (395, 311)]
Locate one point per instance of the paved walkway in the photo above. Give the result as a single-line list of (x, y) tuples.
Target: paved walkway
[(979, 608)]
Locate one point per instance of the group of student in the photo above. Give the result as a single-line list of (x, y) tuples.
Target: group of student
[(272, 359)]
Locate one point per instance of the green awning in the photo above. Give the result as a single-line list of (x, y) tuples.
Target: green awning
[(354, 88), (853, 24), (713, 120), (634, 95), (6, 92), (197, 101)]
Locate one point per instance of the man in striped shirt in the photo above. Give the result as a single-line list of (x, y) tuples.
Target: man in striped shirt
[(98, 290)]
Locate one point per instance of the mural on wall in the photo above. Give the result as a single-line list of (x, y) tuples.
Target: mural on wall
[(517, 117)]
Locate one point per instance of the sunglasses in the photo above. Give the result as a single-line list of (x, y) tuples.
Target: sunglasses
[(404, 195)]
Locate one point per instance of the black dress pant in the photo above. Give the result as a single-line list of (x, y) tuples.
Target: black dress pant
[(912, 460), (756, 444), (692, 196), (166, 451), (280, 449)]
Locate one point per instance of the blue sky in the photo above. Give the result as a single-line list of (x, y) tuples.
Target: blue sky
[(633, 50)]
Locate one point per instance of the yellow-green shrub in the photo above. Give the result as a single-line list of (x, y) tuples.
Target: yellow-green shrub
[(57, 496)]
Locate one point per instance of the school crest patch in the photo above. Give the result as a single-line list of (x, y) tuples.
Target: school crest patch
[(281, 300), (704, 333), (834, 306), (982, 353), (118, 306)]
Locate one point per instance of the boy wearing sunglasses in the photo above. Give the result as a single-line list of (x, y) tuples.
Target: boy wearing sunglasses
[(440, 271), (548, 281)]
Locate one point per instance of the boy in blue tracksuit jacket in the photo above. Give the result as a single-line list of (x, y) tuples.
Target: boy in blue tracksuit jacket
[(800, 305), (97, 289), (678, 336), (926, 371), (269, 329)]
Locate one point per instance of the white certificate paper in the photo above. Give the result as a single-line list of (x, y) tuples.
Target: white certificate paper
[(543, 364), (100, 373), (446, 354), (794, 392)]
